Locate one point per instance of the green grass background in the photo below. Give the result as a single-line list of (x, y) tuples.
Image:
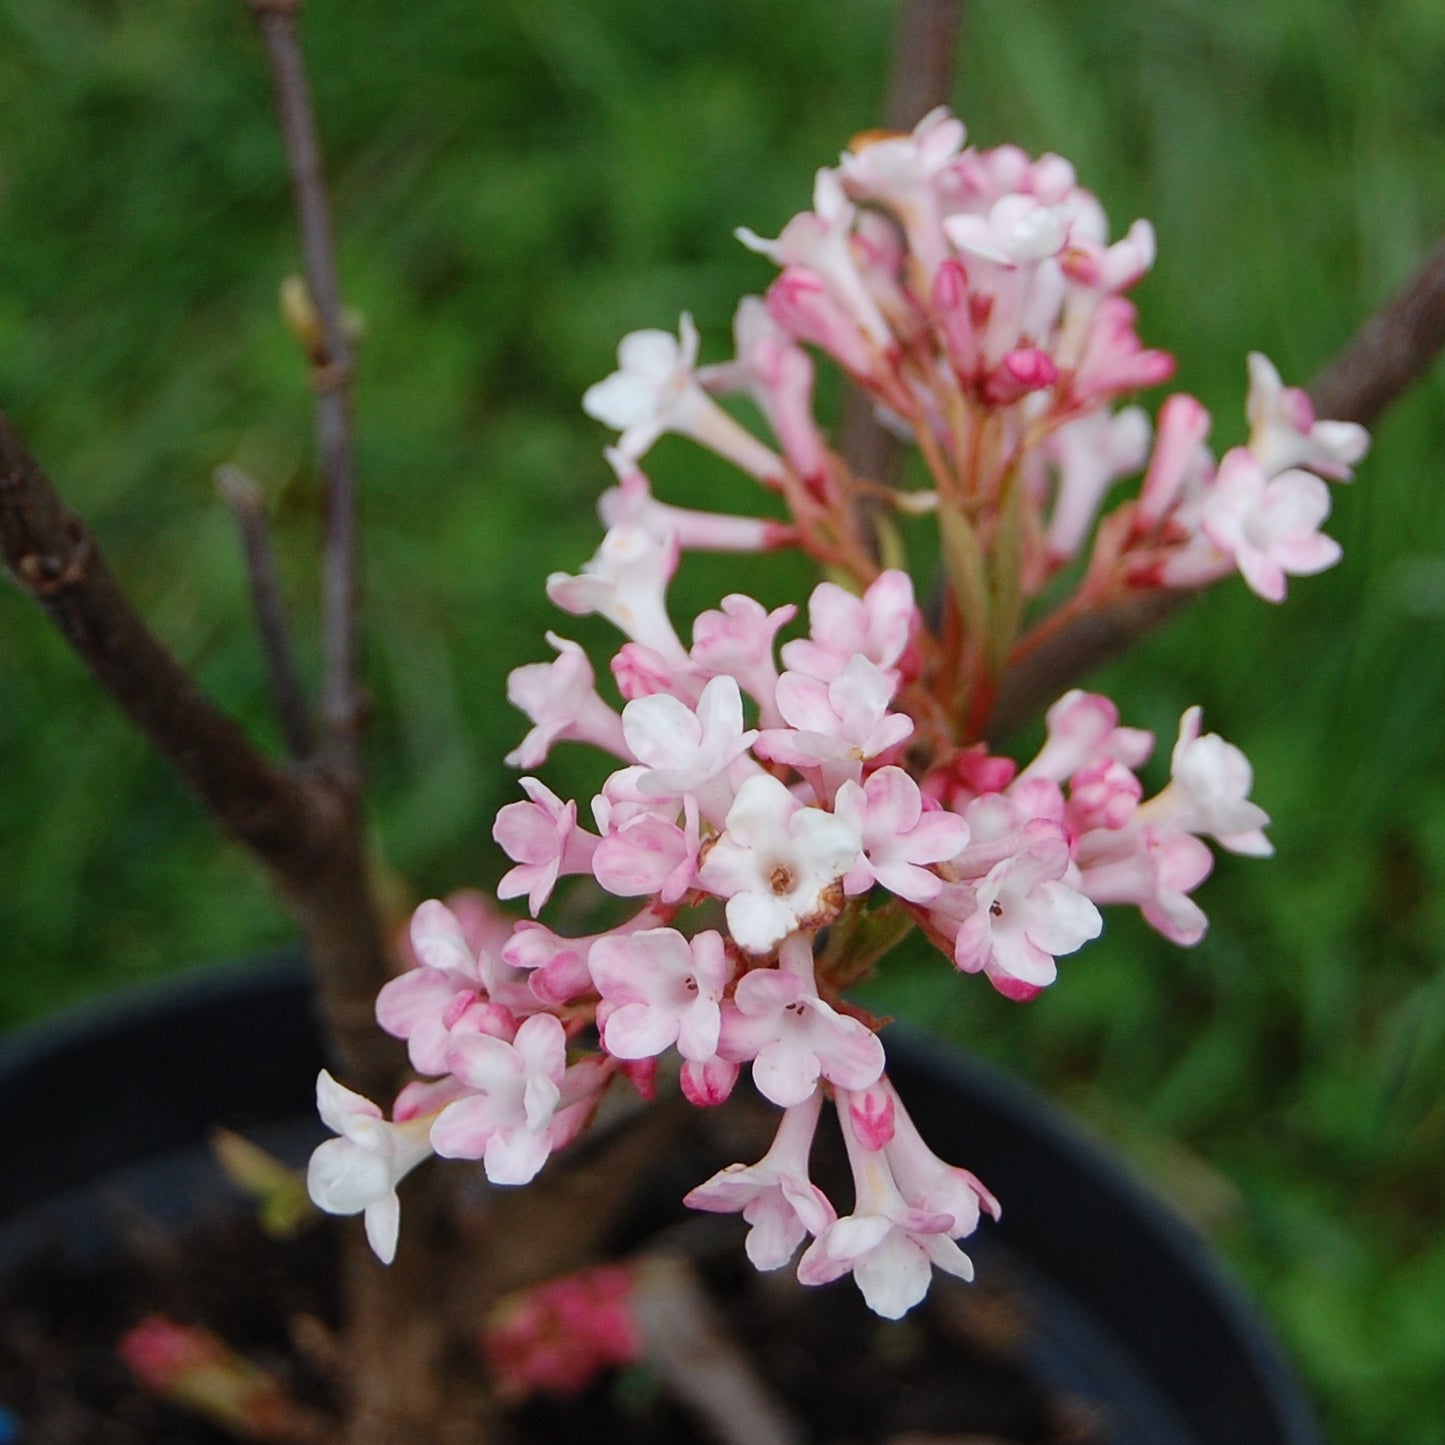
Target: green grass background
[(517, 183)]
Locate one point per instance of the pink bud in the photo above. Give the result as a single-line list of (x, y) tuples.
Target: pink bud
[(710, 1083), (1020, 372), (951, 304), (1183, 425), (642, 1075)]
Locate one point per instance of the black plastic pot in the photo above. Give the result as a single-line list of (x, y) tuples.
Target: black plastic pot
[(1129, 1306)]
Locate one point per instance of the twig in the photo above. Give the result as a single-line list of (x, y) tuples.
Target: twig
[(303, 828), (401, 1347), (332, 363), (1390, 352), (1387, 355), (690, 1348), (243, 497), (1076, 650), (925, 48), (52, 556)]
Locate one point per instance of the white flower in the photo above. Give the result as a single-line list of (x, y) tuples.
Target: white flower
[(655, 390), (625, 581), (357, 1173), (1208, 792), (778, 864)]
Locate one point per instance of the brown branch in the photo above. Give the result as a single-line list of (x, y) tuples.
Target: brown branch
[(52, 556), (1389, 353), (305, 829), (925, 48), (1075, 651), (402, 1347), (243, 497), (333, 363)]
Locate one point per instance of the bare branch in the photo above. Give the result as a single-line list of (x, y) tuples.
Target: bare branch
[(243, 497), (1390, 352), (925, 49), (332, 363), (689, 1345), (306, 829), (53, 557), (1075, 651)]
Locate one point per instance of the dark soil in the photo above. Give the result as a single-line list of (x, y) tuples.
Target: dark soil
[(948, 1373)]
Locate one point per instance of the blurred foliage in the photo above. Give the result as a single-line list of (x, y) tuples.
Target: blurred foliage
[(517, 184)]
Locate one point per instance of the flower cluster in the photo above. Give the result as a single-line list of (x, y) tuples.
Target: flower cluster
[(781, 811)]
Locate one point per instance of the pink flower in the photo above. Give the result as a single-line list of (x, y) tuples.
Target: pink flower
[(889, 1246), (659, 989), (775, 1195), (1283, 432), (1108, 269), (646, 852), (516, 1089), (1179, 463), (555, 968), (900, 837), (1155, 872), (903, 172), (559, 1336), (1268, 525), (778, 374), (708, 1084), (560, 698), (924, 1180), (689, 750), (778, 864), (1113, 360), (819, 243), (1091, 454), (878, 625), (1083, 728), (835, 725), (421, 1004), (801, 304), (543, 839), (1025, 916), (631, 503), (792, 1036), (738, 640)]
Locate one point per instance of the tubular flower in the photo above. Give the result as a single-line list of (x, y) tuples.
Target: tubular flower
[(809, 780)]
